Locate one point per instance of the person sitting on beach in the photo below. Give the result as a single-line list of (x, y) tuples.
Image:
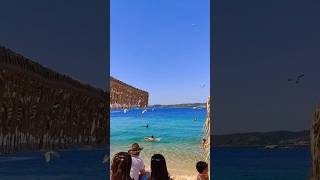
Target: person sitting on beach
[(202, 168), (159, 168), (120, 167), (137, 168)]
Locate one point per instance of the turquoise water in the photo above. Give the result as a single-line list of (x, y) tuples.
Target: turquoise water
[(260, 164), (180, 136)]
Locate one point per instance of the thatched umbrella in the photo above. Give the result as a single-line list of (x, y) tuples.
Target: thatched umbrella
[(206, 132)]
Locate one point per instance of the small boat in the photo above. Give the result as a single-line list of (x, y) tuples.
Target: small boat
[(125, 110), (150, 139)]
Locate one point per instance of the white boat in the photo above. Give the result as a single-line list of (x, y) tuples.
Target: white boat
[(150, 139)]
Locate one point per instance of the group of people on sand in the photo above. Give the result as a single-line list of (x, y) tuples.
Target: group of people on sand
[(130, 166)]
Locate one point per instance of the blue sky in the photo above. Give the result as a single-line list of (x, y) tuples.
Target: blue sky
[(162, 46), (257, 46)]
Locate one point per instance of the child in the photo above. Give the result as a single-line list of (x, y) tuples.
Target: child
[(202, 168), (120, 167)]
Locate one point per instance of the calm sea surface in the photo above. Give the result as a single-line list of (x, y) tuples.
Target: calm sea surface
[(72, 164), (260, 164)]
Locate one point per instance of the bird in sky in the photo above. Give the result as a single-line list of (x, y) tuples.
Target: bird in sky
[(297, 79)]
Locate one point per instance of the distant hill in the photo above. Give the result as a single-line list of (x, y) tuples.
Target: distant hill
[(201, 105), (280, 138)]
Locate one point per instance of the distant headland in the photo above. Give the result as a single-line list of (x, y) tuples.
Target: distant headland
[(271, 139), (185, 105)]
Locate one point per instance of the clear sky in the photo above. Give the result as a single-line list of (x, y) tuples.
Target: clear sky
[(162, 46), (258, 45), (67, 36)]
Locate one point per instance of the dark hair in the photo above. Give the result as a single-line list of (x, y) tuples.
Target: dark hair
[(121, 166), (201, 166), (159, 168)]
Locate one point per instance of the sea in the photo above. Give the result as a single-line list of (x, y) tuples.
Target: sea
[(178, 129), (230, 163), (180, 133), (79, 164)]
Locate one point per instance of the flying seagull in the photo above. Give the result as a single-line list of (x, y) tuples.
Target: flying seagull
[(50, 155), (297, 80)]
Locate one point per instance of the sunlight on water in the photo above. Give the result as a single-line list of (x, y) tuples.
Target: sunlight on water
[(179, 133)]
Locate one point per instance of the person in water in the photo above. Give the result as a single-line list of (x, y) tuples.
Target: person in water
[(121, 166), (202, 168), (137, 168), (159, 168)]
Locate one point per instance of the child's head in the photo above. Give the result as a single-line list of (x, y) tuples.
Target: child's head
[(202, 167), (121, 166)]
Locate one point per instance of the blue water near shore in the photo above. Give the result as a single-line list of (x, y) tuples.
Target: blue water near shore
[(260, 164), (72, 164), (180, 136)]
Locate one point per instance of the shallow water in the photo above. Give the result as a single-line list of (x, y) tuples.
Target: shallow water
[(180, 136)]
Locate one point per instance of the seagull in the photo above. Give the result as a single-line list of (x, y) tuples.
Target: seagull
[(297, 80), (105, 159), (50, 155), (144, 111)]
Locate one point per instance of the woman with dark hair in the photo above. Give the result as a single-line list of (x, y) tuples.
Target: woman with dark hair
[(159, 168), (121, 166)]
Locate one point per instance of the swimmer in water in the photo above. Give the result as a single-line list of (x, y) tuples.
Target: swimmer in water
[(146, 126)]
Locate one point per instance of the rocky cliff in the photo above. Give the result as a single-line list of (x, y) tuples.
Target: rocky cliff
[(315, 145), (123, 95), (42, 109)]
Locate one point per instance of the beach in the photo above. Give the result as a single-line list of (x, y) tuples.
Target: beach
[(179, 130)]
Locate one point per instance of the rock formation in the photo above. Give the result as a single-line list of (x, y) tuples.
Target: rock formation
[(315, 145), (42, 109), (123, 95)]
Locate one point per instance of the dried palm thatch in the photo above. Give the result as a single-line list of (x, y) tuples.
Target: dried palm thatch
[(315, 144), (206, 132)]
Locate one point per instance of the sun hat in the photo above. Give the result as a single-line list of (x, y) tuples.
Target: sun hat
[(135, 149)]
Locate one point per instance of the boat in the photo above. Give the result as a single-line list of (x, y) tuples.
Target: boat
[(150, 139)]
